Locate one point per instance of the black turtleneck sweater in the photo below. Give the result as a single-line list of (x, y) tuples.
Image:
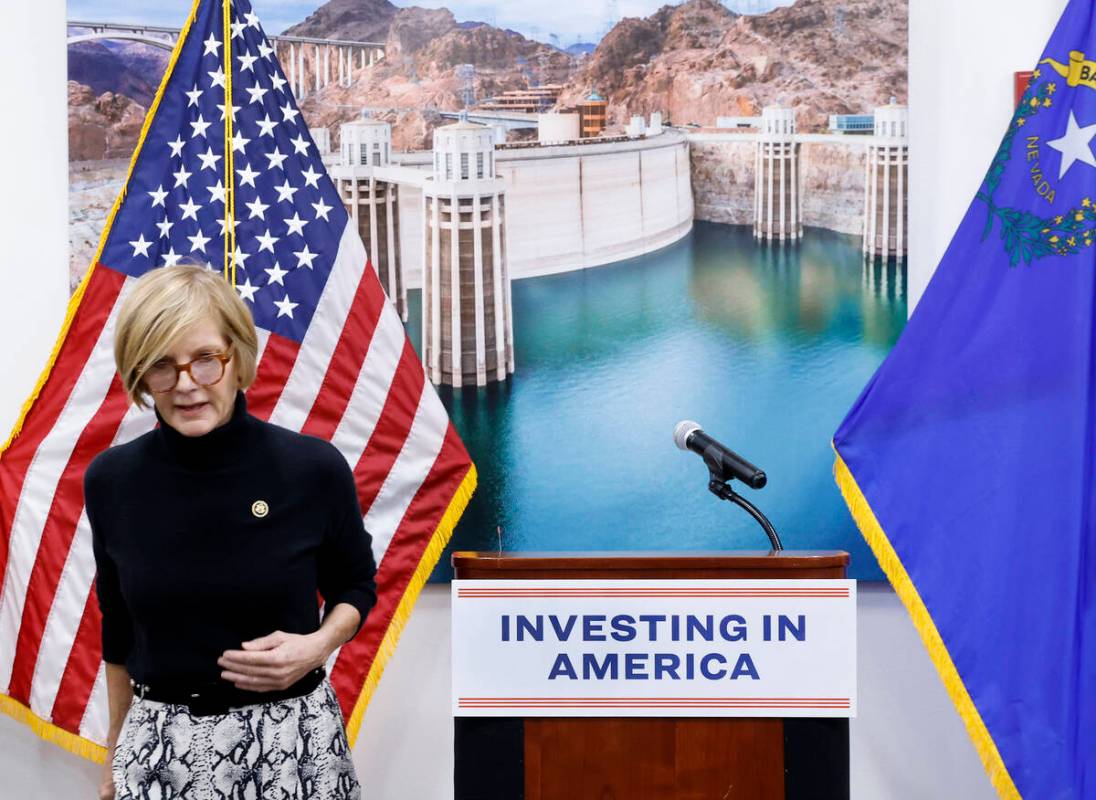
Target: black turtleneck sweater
[(189, 565)]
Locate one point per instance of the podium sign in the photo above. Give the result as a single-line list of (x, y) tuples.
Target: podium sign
[(654, 648)]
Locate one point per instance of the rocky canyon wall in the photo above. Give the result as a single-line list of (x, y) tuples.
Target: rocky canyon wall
[(831, 177), (833, 185)]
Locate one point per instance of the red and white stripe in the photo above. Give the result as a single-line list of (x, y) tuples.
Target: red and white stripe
[(835, 703), (34, 558), (612, 592), (354, 380), (303, 385)]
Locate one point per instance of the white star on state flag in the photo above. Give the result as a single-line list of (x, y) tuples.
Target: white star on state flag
[(193, 94), (311, 177), (321, 209), (1074, 145), (252, 19), (300, 144), (165, 228), (285, 307), (158, 196), (217, 78), (247, 61), (212, 45), (265, 50), (140, 247), (276, 79), (176, 146)]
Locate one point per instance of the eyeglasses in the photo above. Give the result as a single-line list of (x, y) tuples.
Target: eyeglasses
[(205, 371)]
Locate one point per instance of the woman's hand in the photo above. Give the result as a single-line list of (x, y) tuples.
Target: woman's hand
[(274, 662), (106, 782)]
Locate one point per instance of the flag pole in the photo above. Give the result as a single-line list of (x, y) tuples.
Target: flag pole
[(230, 195)]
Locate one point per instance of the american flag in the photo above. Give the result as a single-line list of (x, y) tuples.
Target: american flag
[(334, 362)]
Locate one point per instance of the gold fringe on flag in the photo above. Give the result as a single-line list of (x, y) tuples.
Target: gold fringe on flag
[(85, 748), (930, 636), (426, 566)]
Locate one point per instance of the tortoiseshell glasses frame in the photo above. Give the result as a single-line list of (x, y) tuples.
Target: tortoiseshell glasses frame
[(205, 370)]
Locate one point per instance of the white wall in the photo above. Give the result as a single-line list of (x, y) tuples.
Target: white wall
[(33, 192), (961, 61), (33, 294), (907, 742)]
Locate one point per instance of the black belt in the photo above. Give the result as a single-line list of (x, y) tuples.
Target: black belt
[(219, 697)]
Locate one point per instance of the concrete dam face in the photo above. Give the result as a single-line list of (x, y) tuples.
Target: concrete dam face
[(575, 206), (474, 214), (579, 206)]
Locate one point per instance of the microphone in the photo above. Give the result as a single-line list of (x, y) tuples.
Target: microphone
[(722, 461), (724, 465)]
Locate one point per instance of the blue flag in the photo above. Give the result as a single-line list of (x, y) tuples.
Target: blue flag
[(968, 460)]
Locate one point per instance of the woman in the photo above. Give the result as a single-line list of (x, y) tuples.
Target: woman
[(212, 535)]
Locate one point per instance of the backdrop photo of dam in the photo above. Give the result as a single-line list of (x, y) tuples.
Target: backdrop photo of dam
[(702, 215), (766, 347)]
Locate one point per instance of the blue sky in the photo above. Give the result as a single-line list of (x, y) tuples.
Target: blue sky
[(537, 18)]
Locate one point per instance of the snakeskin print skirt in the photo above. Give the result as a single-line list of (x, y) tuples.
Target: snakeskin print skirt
[(293, 749)]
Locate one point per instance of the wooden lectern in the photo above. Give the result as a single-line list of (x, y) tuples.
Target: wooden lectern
[(663, 758)]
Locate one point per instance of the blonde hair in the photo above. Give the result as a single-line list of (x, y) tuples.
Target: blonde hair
[(162, 305)]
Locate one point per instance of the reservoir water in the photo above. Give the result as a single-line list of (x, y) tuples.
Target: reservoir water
[(766, 347)]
